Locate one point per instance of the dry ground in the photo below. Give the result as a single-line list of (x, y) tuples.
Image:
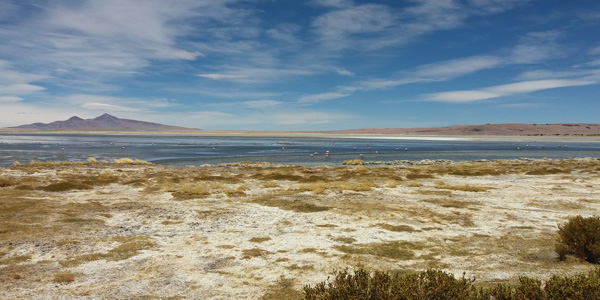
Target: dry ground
[(141, 231)]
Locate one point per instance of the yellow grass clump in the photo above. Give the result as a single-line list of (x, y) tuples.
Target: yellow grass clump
[(353, 162), (126, 160)]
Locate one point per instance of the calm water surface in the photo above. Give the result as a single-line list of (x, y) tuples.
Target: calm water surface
[(198, 150)]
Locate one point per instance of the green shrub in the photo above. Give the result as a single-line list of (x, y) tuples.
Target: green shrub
[(431, 284), (439, 285), (580, 237)]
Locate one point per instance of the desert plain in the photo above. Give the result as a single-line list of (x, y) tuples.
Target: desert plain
[(132, 230)]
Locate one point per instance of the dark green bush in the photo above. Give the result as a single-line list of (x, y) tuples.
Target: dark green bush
[(432, 284), (575, 287), (580, 237), (439, 285)]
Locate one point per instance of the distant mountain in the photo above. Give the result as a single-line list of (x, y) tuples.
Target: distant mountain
[(104, 122)]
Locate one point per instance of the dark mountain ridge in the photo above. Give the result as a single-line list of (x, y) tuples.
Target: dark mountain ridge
[(104, 122)]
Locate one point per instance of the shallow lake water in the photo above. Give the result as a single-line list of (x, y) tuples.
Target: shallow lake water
[(177, 149)]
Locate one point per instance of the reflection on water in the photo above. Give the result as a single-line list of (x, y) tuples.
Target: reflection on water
[(198, 150)]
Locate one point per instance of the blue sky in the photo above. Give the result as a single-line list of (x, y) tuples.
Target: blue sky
[(301, 65)]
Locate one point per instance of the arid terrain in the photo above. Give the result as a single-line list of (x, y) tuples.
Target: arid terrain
[(559, 129), (131, 230)]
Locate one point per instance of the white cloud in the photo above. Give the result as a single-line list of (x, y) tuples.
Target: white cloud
[(186, 55), (453, 68), (9, 76), (551, 74), (10, 99), (115, 104), (504, 90), (285, 33), (20, 89), (216, 76), (113, 37), (537, 46), (321, 97), (333, 3), (595, 51), (358, 19), (344, 72), (105, 107), (536, 85), (461, 96), (495, 6), (252, 74)]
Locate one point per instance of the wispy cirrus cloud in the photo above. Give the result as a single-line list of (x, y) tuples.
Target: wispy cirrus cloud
[(537, 46), (504, 90), (217, 76), (457, 67), (321, 97), (109, 38), (115, 104), (19, 89), (358, 19), (532, 48)]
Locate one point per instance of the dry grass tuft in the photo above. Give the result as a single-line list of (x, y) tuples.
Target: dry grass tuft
[(6, 182), (345, 240), (67, 277), (259, 239), (356, 185), (171, 222), (558, 205), (413, 176), (283, 289), (396, 228), (464, 188), (129, 246), (255, 252), (414, 184), (297, 206), (452, 203), (130, 161), (390, 250), (353, 162), (65, 186)]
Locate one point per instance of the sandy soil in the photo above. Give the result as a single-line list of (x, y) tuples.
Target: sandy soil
[(242, 231)]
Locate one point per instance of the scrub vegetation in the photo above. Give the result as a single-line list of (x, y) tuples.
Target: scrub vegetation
[(92, 227)]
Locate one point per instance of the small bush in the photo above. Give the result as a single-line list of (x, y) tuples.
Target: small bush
[(362, 284), (580, 237), (439, 285)]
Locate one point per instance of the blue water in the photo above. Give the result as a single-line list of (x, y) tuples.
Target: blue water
[(197, 150)]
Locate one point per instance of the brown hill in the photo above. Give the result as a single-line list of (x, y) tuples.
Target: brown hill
[(104, 122), (487, 129)]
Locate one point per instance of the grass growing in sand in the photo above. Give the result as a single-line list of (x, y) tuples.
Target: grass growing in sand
[(495, 220), (397, 250), (129, 246)]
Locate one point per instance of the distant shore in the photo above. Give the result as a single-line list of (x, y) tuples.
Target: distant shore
[(327, 134)]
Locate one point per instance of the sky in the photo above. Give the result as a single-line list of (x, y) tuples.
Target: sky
[(301, 65)]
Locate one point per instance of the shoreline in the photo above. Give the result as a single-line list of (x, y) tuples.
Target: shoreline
[(322, 135)]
